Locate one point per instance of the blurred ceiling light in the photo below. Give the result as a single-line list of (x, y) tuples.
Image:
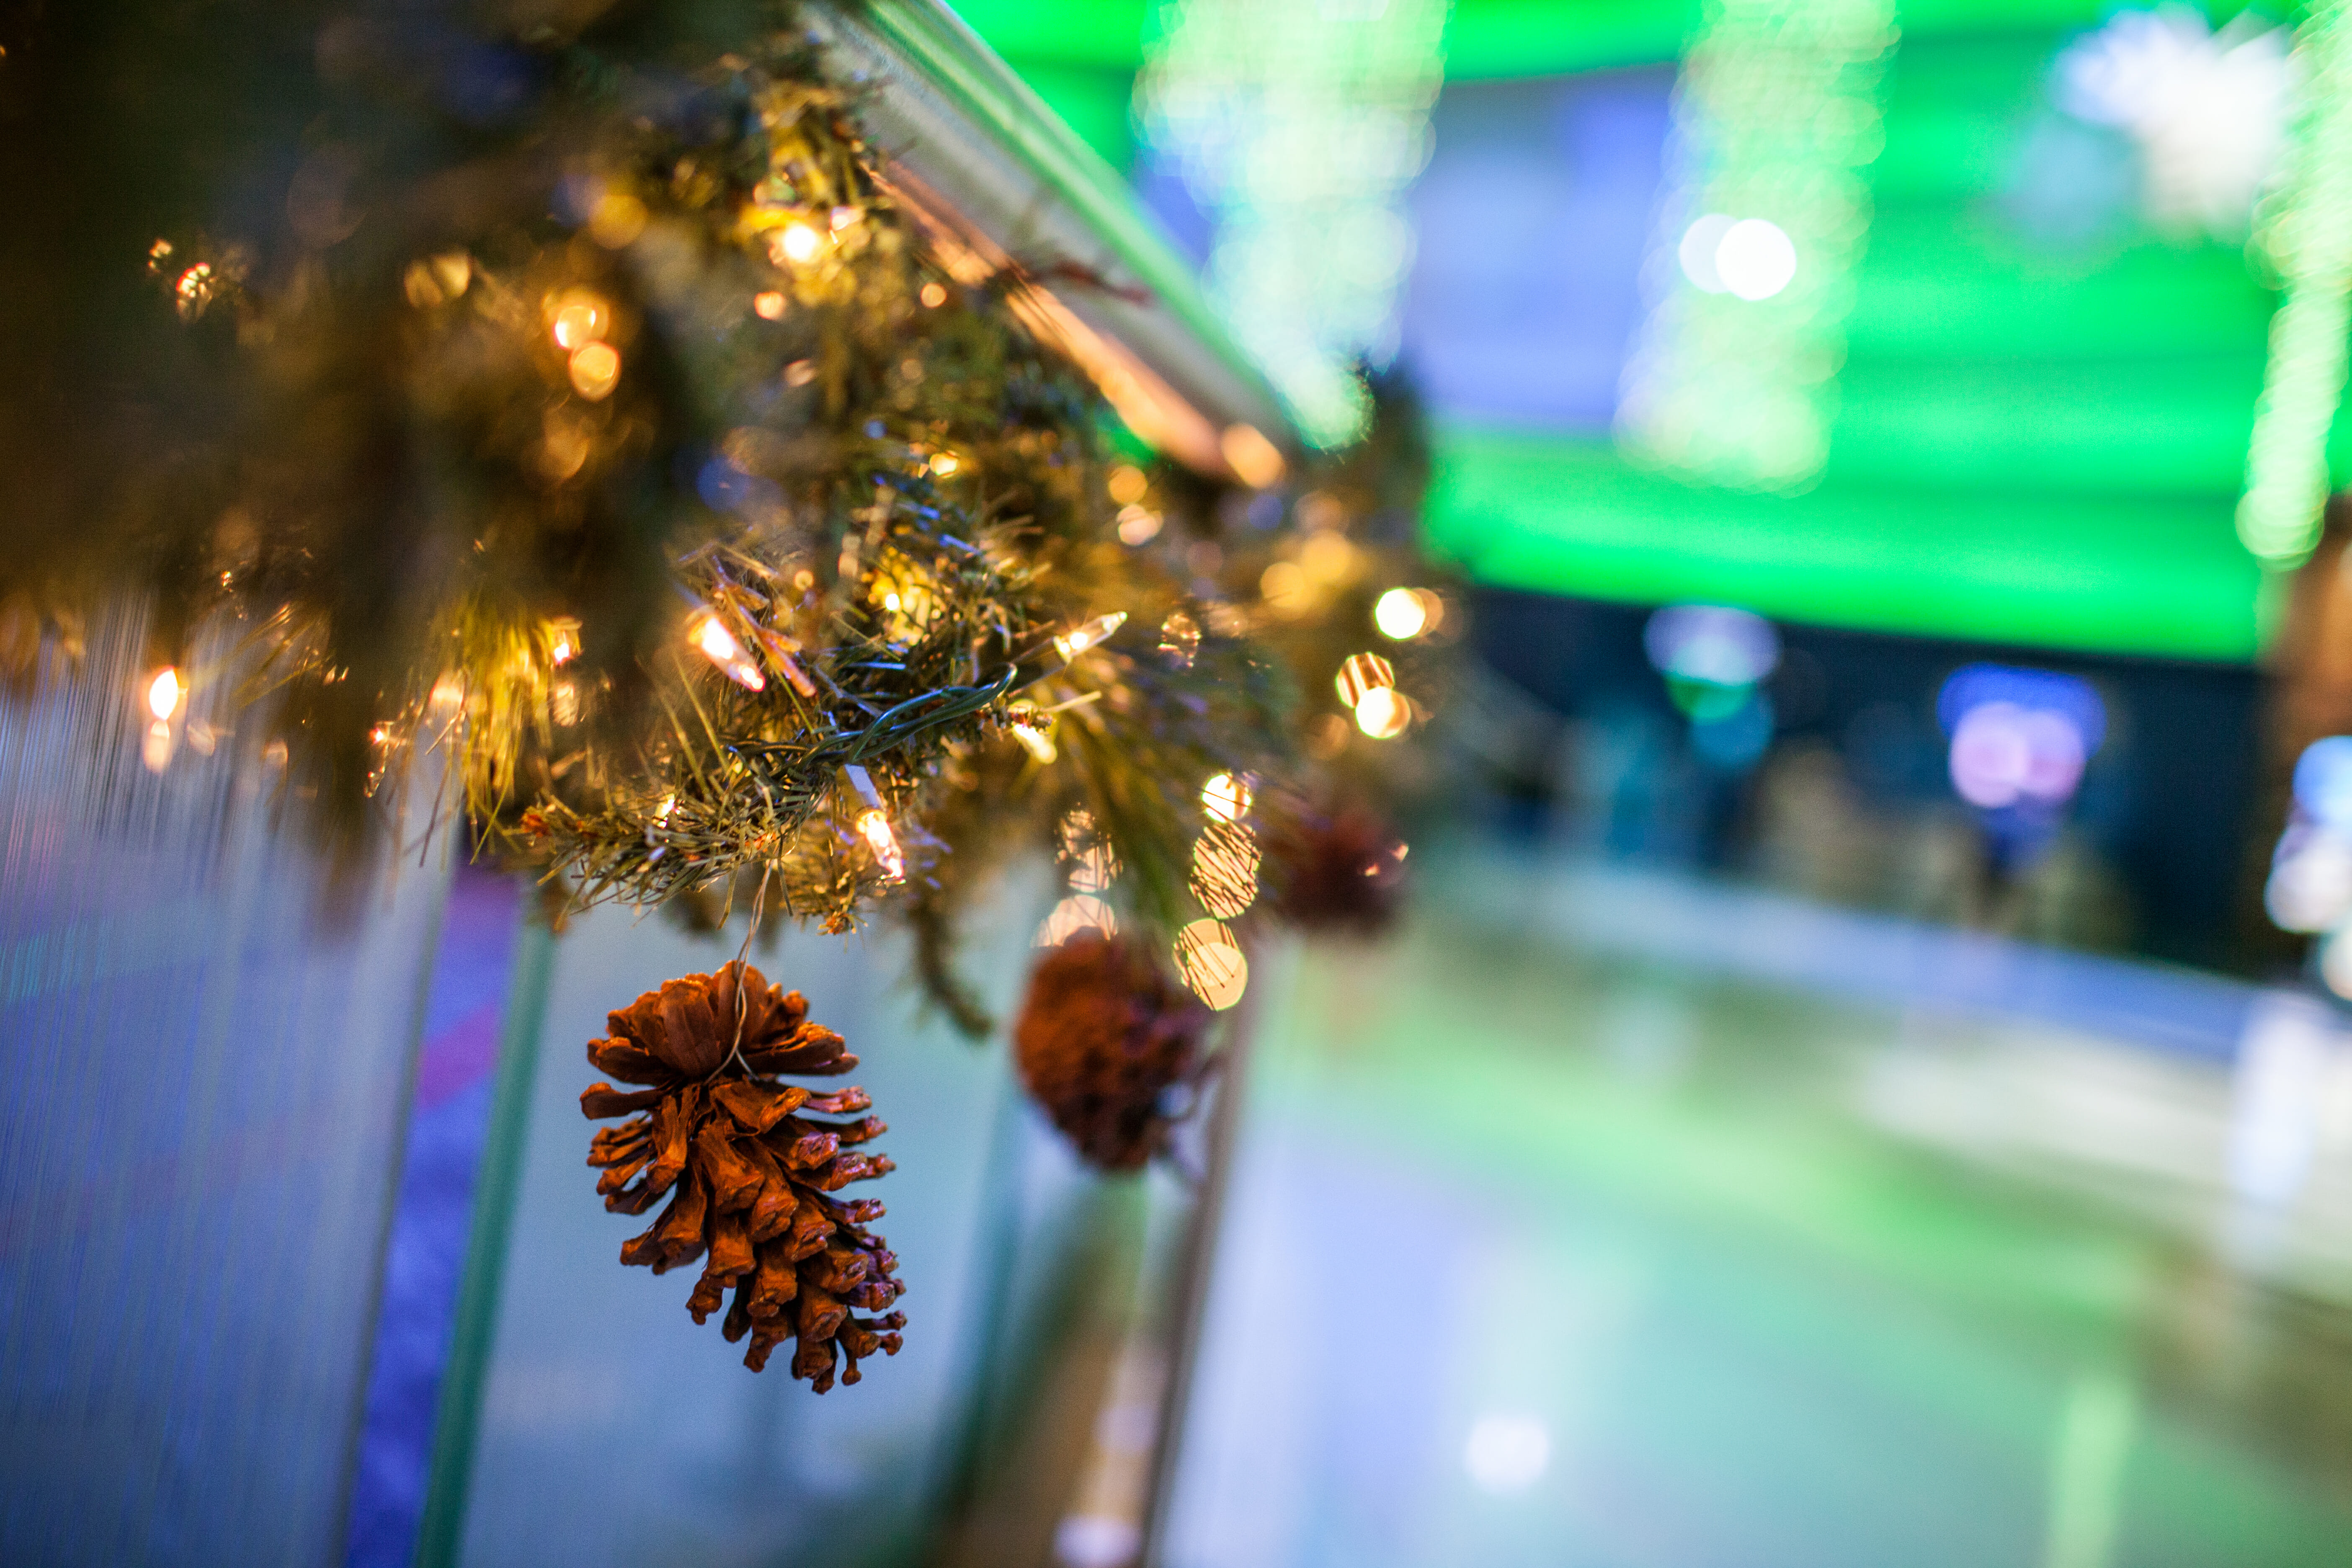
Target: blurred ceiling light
[(2207, 109), (1697, 251), (1506, 1453), (1756, 258)]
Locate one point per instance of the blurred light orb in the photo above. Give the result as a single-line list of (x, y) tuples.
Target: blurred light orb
[(2018, 735), (1382, 713), (1716, 645), (1127, 484), (1362, 674), (1224, 870), (799, 243), (769, 304), (934, 295), (1400, 615), (163, 693), (2002, 754), (1699, 245), (1507, 1454), (2310, 885), (579, 317), (596, 370), (1756, 258), (1080, 911), (2336, 964), (1137, 525), (1225, 798), (2323, 781), (1212, 963)]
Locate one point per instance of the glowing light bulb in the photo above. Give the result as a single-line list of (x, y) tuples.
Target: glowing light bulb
[(1382, 714), (873, 826), (934, 295), (1179, 639), (1400, 615), (1363, 673), (1033, 728), (945, 464), (720, 646), (163, 693), (1225, 799), (1092, 633), (563, 641), (596, 370), (769, 305), (800, 242)]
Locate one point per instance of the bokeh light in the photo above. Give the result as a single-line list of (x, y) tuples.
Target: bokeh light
[(2018, 736), (1078, 912), (163, 692), (1401, 615), (1756, 258), (1506, 1453), (1382, 713), (1212, 962)]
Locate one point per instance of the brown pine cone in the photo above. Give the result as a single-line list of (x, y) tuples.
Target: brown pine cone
[(1343, 872), (1103, 1033), (751, 1180)]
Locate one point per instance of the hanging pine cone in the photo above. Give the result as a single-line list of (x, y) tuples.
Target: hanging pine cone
[(1104, 1031), (1342, 872), (751, 1179)]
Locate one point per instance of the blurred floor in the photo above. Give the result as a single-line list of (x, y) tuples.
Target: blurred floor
[(1603, 1218)]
